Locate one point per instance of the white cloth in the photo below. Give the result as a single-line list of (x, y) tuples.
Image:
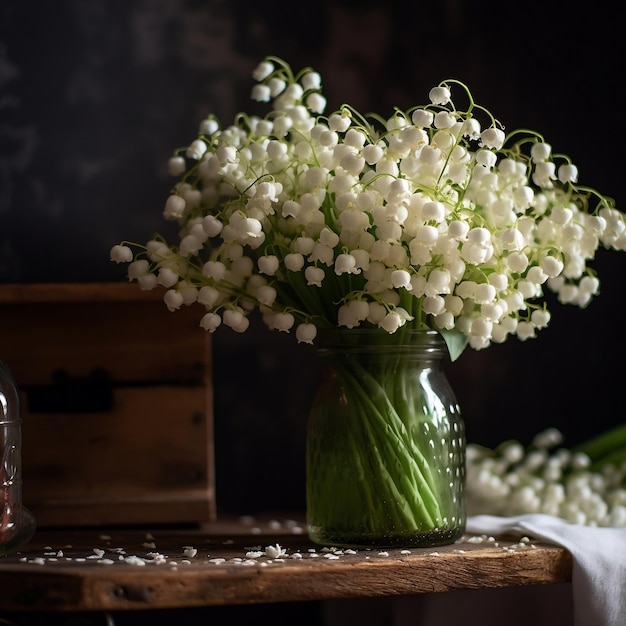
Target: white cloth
[(599, 561)]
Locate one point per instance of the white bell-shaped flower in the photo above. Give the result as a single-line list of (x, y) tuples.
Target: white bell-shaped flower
[(235, 319), (346, 264), (422, 118), (401, 279), (540, 318), (433, 305), (372, 154), (306, 333), (196, 149), (394, 319), (314, 275), (283, 322), (322, 254), (551, 266), (167, 277), (137, 268), (121, 254), (209, 296), (214, 269), (268, 264), (266, 294), (492, 138), (176, 165), (352, 313), (173, 299), (567, 173), (147, 282), (262, 70), (525, 330), (174, 207), (540, 151), (294, 261), (210, 321), (439, 95)]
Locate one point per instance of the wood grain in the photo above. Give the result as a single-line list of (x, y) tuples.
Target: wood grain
[(31, 580)]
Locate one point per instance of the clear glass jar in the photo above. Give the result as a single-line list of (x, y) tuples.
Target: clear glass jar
[(17, 524), (385, 459)]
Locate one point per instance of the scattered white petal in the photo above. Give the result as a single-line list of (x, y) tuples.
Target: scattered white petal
[(275, 551), (254, 554)]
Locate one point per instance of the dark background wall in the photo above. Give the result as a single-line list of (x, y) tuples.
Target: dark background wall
[(95, 94)]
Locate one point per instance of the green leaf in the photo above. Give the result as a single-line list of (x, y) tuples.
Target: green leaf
[(456, 342)]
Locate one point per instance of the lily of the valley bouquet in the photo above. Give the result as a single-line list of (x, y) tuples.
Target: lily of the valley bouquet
[(431, 218)]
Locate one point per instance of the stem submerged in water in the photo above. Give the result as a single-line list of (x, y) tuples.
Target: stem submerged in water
[(384, 464)]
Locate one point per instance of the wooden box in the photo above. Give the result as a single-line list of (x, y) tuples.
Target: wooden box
[(117, 404)]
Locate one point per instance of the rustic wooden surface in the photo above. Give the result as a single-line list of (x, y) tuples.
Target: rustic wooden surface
[(65, 570)]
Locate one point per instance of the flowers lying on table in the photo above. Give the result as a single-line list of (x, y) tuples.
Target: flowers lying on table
[(585, 485), (432, 217)]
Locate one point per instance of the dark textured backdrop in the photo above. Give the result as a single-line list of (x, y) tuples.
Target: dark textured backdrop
[(94, 95)]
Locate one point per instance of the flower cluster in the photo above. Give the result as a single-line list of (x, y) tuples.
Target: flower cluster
[(432, 217), (547, 478)]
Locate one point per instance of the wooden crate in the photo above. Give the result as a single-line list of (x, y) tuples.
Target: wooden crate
[(117, 404)]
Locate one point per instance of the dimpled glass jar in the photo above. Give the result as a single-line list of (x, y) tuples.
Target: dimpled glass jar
[(385, 456)]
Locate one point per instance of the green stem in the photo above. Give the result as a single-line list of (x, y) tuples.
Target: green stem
[(608, 445), (380, 422), (393, 437), (390, 471)]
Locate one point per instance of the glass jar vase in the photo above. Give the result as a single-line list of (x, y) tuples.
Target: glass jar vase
[(385, 452), (17, 524)]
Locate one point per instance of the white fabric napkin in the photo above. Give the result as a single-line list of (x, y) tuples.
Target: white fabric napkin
[(599, 561)]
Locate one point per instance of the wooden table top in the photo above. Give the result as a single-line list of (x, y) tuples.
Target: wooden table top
[(226, 563)]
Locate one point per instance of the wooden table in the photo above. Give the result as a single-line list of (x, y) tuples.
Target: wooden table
[(226, 563)]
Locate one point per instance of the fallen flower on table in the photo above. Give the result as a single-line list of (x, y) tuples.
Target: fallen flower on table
[(275, 552), (584, 485)]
